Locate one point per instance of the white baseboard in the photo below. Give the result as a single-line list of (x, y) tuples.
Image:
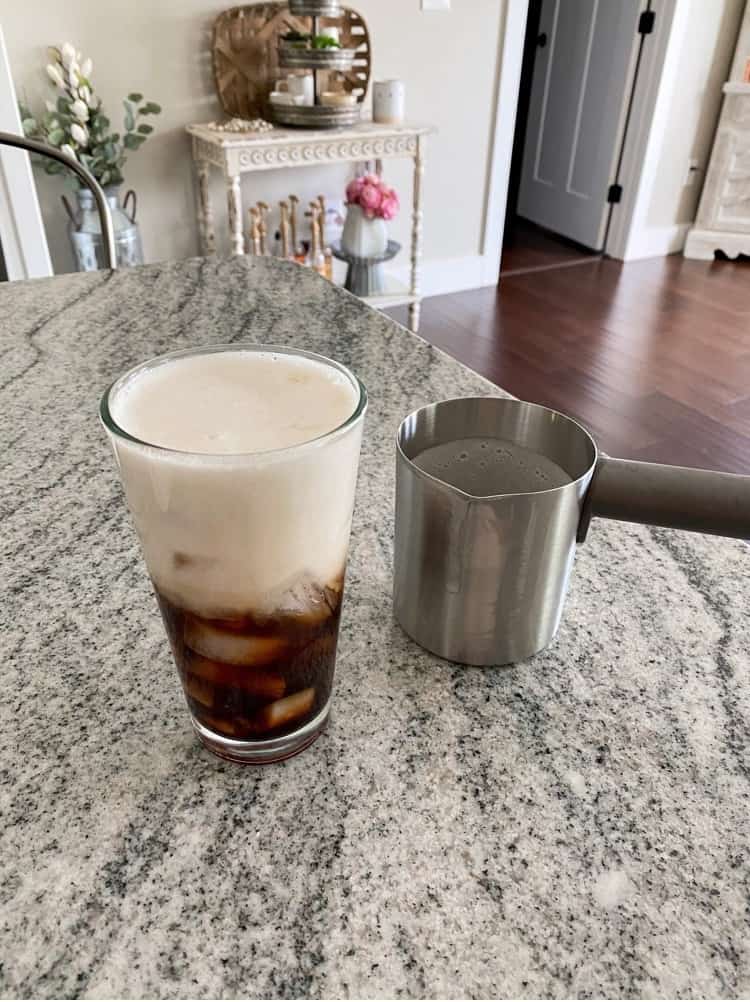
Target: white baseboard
[(440, 276), (656, 241), (702, 244)]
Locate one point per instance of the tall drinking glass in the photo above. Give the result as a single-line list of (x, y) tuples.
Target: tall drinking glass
[(247, 553)]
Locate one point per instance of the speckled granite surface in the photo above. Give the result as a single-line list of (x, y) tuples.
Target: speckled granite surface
[(576, 825)]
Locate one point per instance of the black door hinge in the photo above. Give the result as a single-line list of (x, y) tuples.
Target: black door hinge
[(646, 22), (614, 194)]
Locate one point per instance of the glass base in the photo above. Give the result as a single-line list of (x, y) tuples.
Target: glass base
[(263, 752)]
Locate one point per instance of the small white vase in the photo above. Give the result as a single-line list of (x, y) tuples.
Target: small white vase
[(363, 237)]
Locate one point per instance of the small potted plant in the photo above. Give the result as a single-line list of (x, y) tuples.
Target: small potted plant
[(324, 42), (76, 124), (370, 204)]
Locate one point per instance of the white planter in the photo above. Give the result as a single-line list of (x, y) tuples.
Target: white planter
[(363, 237)]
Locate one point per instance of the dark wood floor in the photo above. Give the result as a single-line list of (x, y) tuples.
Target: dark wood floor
[(652, 356), (527, 247)]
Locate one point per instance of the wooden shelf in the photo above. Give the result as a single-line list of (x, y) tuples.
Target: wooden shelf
[(396, 294)]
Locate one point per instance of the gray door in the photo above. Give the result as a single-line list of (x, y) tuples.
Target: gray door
[(583, 77)]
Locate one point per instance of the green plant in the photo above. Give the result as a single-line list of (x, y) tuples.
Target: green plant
[(325, 42), (300, 40), (76, 123)]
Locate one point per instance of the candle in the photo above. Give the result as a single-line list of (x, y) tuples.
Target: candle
[(284, 210), (388, 101), (337, 99), (294, 202)]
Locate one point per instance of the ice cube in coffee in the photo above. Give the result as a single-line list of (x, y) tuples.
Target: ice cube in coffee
[(240, 465), (255, 676)]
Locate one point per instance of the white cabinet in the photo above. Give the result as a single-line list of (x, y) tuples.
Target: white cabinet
[(723, 221)]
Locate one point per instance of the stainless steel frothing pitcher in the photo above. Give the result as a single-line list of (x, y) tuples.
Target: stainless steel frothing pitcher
[(482, 580)]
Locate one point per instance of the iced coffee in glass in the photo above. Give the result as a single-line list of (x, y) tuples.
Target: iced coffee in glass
[(239, 464)]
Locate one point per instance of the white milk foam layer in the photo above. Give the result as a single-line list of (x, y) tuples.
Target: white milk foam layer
[(227, 526), (234, 402)]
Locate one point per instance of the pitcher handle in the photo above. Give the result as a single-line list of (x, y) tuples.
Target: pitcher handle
[(130, 195), (71, 214), (675, 497)]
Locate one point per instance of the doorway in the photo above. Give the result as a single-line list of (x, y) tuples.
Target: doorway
[(579, 70)]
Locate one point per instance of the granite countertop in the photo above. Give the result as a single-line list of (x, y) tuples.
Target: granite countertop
[(576, 825)]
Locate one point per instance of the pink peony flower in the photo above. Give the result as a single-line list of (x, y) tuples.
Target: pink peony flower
[(370, 199), (374, 197), (390, 205), (354, 190)]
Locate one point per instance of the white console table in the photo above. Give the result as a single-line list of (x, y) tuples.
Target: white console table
[(236, 154)]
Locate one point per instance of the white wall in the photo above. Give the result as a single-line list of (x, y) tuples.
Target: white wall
[(448, 61), (742, 51)]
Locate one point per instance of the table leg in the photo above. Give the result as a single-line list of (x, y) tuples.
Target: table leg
[(234, 204), (416, 234), (205, 212)]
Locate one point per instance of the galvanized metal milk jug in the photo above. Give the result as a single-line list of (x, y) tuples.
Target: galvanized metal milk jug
[(85, 232)]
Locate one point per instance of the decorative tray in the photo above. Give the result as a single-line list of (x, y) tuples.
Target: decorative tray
[(292, 56), (314, 116), (315, 8)]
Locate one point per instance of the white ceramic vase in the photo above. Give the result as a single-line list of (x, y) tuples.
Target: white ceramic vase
[(388, 101), (363, 237)]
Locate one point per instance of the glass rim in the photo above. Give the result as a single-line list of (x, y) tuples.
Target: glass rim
[(111, 425)]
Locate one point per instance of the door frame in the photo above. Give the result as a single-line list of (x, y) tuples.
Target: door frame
[(644, 143), (658, 74), (24, 242)]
